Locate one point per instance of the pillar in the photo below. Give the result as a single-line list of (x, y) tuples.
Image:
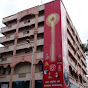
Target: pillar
[(35, 49), (11, 76), (14, 53)]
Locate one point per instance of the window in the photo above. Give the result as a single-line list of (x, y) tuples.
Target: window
[(40, 66)]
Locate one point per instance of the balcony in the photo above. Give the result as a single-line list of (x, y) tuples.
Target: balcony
[(9, 18), (39, 55), (31, 32), (68, 36), (83, 54), (39, 76), (72, 63), (72, 79), (26, 57), (6, 29), (22, 24), (4, 39), (12, 17), (26, 76), (20, 46), (21, 77), (81, 50), (41, 29), (69, 29), (27, 45), (84, 69), (40, 42), (6, 49), (85, 77), (8, 60), (72, 52), (21, 35), (81, 85), (84, 61), (4, 78), (42, 7)]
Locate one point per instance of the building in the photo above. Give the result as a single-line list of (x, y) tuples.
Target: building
[(16, 55)]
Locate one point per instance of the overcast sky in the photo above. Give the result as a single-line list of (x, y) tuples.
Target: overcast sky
[(77, 10)]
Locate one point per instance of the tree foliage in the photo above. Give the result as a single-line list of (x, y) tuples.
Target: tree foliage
[(84, 47)]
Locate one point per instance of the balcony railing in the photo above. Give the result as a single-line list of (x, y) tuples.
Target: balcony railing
[(70, 31), (12, 17), (71, 41), (20, 46), (8, 60), (26, 76), (72, 52), (9, 18), (4, 39), (39, 55), (84, 69), (32, 21), (4, 78), (21, 77), (6, 49), (84, 61), (21, 35), (73, 64), (85, 78)]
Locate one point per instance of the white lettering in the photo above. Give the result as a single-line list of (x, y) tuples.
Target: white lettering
[(46, 81), (58, 81), (57, 85), (53, 81), (47, 85)]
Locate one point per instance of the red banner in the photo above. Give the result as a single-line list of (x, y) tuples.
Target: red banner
[(54, 74)]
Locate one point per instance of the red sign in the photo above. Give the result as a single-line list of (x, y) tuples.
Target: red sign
[(54, 74)]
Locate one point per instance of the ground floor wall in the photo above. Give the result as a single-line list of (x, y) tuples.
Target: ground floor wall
[(25, 84), (21, 84)]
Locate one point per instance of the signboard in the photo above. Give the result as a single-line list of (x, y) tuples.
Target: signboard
[(55, 75)]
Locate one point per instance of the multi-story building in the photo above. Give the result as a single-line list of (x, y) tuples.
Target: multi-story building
[(16, 55)]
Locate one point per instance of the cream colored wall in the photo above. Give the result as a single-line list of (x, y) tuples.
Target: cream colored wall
[(22, 68)]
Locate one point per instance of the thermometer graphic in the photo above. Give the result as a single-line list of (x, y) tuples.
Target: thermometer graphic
[(51, 21)]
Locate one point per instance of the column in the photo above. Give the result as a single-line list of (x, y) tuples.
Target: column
[(14, 53), (16, 37), (35, 49), (11, 76)]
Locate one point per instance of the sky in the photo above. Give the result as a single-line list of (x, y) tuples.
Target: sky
[(77, 10)]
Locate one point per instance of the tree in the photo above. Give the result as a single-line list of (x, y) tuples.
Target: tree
[(85, 47)]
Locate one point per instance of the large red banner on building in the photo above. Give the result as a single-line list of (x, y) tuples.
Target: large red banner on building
[(55, 71)]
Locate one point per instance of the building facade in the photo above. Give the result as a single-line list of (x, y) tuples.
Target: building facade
[(16, 55)]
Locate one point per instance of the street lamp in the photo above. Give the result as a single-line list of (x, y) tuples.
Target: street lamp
[(28, 40)]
